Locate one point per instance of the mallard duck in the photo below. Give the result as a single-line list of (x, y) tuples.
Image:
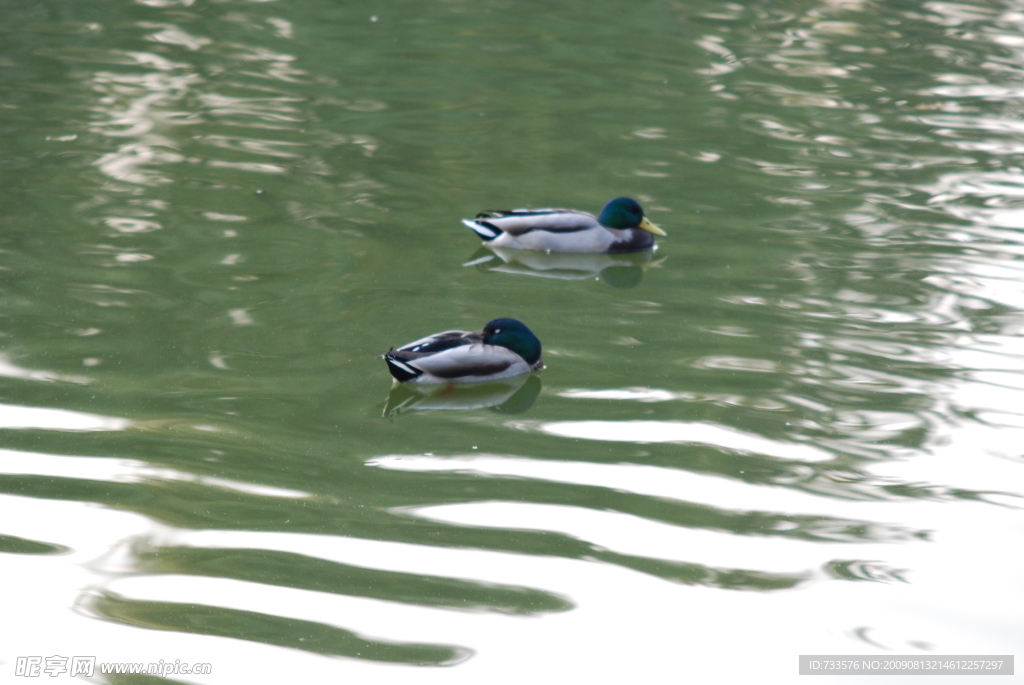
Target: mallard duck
[(505, 348), (621, 227)]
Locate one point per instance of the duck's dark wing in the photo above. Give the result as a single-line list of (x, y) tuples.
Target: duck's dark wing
[(410, 361), (438, 342), (518, 221), (400, 361)]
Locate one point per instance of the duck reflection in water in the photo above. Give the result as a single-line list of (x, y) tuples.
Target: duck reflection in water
[(509, 396), (620, 271)]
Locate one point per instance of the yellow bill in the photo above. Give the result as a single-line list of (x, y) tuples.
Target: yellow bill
[(651, 228)]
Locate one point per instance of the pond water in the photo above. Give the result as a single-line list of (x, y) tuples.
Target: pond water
[(797, 427)]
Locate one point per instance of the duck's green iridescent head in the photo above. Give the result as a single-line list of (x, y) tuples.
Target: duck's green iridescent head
[(514, 335), (625, 212)]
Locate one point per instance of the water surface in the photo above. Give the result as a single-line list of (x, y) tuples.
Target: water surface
[(793, 429)]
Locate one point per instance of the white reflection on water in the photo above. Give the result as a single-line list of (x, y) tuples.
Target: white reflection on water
[(684, 432), (14, 416), (635, 394), (1003, 190), (629, 534), (8, 369), (654, 481), (560, 646), (132, 106), (173, 35), (990, 382), (121, 470), (146, 108), (489, 635)]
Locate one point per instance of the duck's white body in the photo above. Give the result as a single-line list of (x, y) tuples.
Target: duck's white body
[(557, 230)]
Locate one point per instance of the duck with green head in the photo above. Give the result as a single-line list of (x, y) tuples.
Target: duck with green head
[(621, 227), (505, 348)]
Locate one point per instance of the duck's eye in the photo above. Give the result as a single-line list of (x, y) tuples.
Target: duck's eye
[(497, 330)]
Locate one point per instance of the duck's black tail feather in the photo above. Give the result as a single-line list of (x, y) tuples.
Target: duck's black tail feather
[(484, 229), (401, 371)]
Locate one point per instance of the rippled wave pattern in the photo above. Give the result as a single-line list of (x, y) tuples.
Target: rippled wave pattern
[(796, 427)]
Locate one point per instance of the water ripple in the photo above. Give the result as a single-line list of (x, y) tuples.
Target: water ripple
[(644, 432)]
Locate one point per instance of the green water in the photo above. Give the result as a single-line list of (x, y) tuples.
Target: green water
[(795, 428)]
